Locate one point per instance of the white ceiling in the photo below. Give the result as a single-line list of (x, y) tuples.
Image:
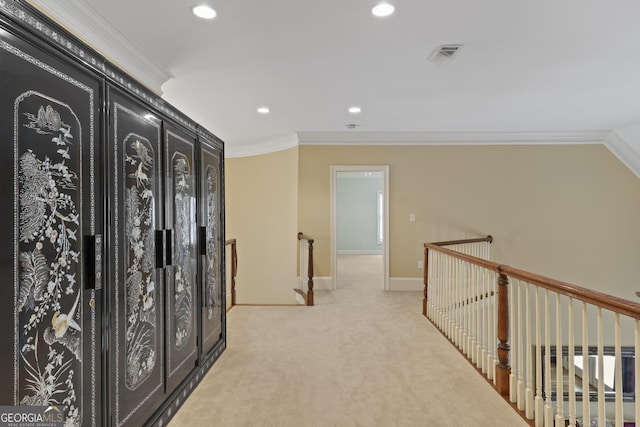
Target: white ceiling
[(526, 66)]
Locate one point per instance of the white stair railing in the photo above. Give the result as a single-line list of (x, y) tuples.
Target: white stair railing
[(560, 352)]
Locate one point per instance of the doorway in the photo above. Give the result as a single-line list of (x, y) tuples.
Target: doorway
[(359, 225)]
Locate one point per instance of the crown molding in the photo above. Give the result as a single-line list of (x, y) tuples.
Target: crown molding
[(620, 148), (450, 138), (89, 26), (264, 147)]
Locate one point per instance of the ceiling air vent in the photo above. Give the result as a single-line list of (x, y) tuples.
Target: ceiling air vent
[(445, 53)]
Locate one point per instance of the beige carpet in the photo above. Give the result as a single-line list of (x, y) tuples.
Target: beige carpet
[(360, 357)]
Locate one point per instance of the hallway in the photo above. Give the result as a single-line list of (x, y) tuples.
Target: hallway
[(360, 357)]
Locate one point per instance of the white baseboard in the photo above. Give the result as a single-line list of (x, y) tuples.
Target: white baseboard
[(321, 284), (359, 252), (406, 284), (395, 284)]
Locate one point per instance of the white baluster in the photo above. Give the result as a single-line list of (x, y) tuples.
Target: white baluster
[(521, 351), (637, 368), (439, 292), (572, 368), (449, 290), (462, 334), (470, 314), (539, 411), (485, 320), (454, 299), (458, 312), (454, 302), (439, 295), (479, 303), (494, 329), (586, 370), (601, 413), (559, 367), (445, 293), (514, 339), (473, 303), (618, 372), (548, 409), (529, 405)]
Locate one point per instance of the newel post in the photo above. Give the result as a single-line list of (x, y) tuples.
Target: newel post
[(426, 281), (503, 369), (310, 275)]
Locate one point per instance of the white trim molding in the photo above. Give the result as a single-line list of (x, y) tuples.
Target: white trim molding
[(620, 148), (265, 147), (395, 284), (406, 284), (450, 138), (88, 25)]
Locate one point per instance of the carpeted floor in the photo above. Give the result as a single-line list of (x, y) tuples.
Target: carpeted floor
[(360, 357)]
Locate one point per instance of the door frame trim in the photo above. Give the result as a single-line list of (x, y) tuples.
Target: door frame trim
[(385, 246)]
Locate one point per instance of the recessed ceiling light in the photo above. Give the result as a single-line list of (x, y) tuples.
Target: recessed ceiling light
[(383, 9), (355, 110), (203, 11), (263, 110)]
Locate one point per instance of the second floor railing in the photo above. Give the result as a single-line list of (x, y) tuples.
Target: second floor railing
[(305, 268), (564, 354), (233, 270)]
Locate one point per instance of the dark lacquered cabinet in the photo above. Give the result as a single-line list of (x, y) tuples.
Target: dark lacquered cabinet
[(51, 327), (113, 262), (181, 259), (211, 213), (135, 207)]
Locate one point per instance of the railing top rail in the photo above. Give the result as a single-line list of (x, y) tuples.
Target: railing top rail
[(599, 299), (489, 239), (230, 242), (468, 258), (302, 236)]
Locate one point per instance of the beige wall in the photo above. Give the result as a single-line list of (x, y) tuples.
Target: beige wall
[(568, 212), (261, 212)]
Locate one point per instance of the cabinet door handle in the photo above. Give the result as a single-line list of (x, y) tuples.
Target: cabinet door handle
[(168, 247), (203, 240), (159, 249), (93, 252)]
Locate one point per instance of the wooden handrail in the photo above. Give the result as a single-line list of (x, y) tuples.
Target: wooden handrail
[(308, 296), (489, 239), (234, 268)]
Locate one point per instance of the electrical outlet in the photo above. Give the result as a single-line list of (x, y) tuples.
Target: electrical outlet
[(420, 265), (412, 217)]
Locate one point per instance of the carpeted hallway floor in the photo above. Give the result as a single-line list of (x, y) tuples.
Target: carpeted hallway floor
[(360, 357)]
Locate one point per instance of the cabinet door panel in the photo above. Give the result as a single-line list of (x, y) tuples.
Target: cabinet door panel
[(210, 221), (137, 377), (181, 273), (49, 350)]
